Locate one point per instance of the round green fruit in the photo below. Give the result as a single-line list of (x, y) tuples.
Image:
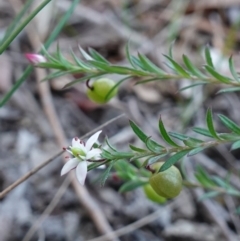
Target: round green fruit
[(152, 195), (168, 183), (100, 89)]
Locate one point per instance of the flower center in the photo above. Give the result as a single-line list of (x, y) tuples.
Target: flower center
[(76, 151)]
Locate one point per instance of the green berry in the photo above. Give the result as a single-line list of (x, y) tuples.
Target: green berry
[(100, 89), (152, 195), (168, 183)]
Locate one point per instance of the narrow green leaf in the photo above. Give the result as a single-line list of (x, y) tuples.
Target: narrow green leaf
[(142, 136), (21, 26), (235, 145), (203, 177), (170, 51), (155, 159), (229, 136), (179, 69), (107, 97), (178, 136), (192, 142), (137, 149), (50, 39), (82, 79), (17, 20), (222, 183), (202, 131), (131, 185), (195, 71), (119, 155), (85, 54), (216, 75), (149, 80), (208, 195), (233, 70), (152, 146), (110, 146), (227, 90), (79, 62), (209, 121), (173, 159), (98, 57), (106, 154), (196, 151), (150, 66), (208, 57), (106, 173), (112, 68), (129, 57), (193, 85), (165, 135), (137, 63), (230, 124), (136, 157)]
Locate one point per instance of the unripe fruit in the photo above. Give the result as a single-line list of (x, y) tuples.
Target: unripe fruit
[(152, 195), (168, 183), (100, 89)]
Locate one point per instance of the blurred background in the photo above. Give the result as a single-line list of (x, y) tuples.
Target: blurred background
[(41, 118)]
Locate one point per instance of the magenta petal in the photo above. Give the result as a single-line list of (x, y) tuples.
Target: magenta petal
[(72, 163), (81, 172)]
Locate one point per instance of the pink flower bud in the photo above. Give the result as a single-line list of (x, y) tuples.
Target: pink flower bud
[(35, 58)]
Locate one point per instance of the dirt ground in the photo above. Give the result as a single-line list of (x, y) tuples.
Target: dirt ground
[(41, 118)]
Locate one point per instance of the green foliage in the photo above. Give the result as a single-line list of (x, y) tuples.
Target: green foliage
[(93, 64)]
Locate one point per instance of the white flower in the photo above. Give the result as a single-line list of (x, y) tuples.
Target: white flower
[(81, 153)]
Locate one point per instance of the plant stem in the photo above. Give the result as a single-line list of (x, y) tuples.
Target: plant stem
[(15, 32)]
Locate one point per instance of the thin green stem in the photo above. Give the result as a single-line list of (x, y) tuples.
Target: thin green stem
[(16, 20), (213, 188), (51, 38), (15, 32)]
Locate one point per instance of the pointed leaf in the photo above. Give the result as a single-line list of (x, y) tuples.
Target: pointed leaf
[(137, 149), (129, 56), (235, 145), (202, 131), (208, 195), (195, 71), (209, 120), (150, 66), (193, 85), (233, 70), (115, 86), (155, 159), (173, 159), (179, 69), (142, 136), (152, 147), (227, 90), (208, 57), (216, 75), (230, 124), (131, 185), (165, 135), (196, 151), (106, 173), (98, 57)]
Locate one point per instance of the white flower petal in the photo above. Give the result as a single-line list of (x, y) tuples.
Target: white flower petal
[(93, 153), (92, 140), (72, 163), (81, 172), (77, 144)]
